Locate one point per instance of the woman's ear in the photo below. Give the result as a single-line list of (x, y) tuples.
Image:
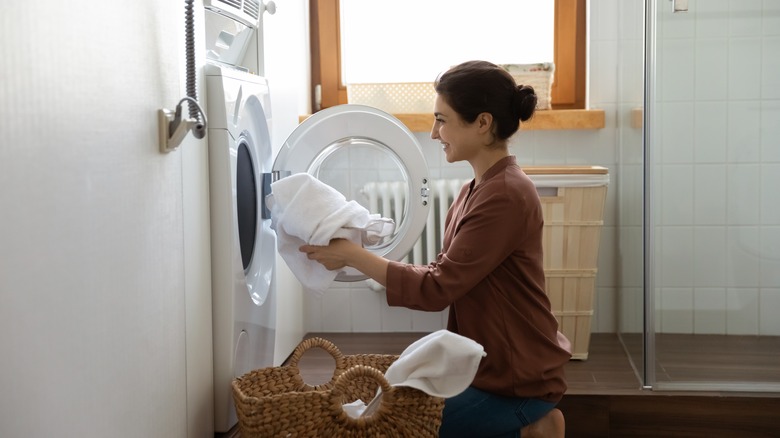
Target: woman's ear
[(484, 122)]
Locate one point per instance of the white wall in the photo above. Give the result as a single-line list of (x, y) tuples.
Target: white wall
[(92, 293)]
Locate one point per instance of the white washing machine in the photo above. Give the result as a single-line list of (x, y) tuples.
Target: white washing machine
[(346, 147), (243, 246)]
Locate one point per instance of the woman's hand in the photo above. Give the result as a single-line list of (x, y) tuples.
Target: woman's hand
[(334, 256), (341, 253)]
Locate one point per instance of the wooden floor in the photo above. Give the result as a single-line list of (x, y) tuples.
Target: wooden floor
[(607, 370), (605, 396)]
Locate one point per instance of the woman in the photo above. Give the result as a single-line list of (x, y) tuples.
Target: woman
[(489, 271)]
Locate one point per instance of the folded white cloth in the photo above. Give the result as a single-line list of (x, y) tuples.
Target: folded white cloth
[(441, 364), (304, 210)]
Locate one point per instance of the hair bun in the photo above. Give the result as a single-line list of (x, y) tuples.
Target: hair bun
[(524, 102)]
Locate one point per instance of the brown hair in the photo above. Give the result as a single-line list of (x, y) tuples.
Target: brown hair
[(476, 87)]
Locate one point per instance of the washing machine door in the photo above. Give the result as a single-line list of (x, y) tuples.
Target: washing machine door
[(252, 154), (370, 157)]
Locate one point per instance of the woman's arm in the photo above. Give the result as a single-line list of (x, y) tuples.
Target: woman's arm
[(341, 252)]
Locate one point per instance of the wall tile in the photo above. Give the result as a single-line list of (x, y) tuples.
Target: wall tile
[(770, 257), (628, 185), (607, 263), (312, 314), (769, 303), (630, 19), (336, 310), (677, 188), (712, 73), (709, 314), (603, 72), (742, 311), (549, 150), (605, 312), (770, 131), (711, 132), (676, 82), (744, 67), (604, 20), (677, 130), (396, 319), (366, 310), (631, 316), (745, 17), (676, 26), (676, 310), (770, 65), (674, 257), (709, 187), (742, 252), (630, 66), (428, 321), (743, 194), (770, 194), (712, 18), (771, 17), (631, 261), (709, 260)]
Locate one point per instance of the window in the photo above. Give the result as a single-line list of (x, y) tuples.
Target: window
[(568, 54)]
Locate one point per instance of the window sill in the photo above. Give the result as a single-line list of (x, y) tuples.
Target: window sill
[(542, 120)]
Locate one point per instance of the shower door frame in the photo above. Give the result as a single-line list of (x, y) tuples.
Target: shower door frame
[(650, 348)]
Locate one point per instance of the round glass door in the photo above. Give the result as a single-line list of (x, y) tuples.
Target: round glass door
[(370, 157)]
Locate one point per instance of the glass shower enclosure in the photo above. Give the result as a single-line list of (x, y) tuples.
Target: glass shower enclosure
[(699, 193)]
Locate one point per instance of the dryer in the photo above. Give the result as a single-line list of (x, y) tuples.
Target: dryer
[(243, 247)]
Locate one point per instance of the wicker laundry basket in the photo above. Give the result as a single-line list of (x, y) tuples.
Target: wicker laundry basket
[(276, 402), (573, 199)]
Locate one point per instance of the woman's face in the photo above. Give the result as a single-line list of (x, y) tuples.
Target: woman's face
[(460, 140)]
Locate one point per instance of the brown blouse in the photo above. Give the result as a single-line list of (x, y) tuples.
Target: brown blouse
[(490, 274)]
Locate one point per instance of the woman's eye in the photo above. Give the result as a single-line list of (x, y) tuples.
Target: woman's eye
[(438, 120)]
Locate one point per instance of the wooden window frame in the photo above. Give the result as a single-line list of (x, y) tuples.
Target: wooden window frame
[(568, 90)]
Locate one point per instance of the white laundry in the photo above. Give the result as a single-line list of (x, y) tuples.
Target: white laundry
[(304, 210), (354, 409), (441, 364)]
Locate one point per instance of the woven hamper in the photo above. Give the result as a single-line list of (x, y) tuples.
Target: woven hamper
[(276, 402)]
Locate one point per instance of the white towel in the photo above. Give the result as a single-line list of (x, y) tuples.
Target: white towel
[(304, 210), (441, 364)]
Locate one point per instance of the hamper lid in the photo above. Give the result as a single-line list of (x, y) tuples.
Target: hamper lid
[(568, 176)]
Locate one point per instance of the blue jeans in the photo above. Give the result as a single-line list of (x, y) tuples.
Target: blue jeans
[(476, 413)]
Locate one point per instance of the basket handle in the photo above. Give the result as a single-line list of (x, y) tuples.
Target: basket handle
[(356, 372), (326, 345)]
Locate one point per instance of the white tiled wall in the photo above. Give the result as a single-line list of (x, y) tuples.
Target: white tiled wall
[(718, 154), (719, 215)]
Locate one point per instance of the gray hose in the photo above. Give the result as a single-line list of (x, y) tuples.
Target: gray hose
[(199, 129)]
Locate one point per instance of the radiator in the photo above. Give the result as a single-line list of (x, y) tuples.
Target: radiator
[(388, 199)]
